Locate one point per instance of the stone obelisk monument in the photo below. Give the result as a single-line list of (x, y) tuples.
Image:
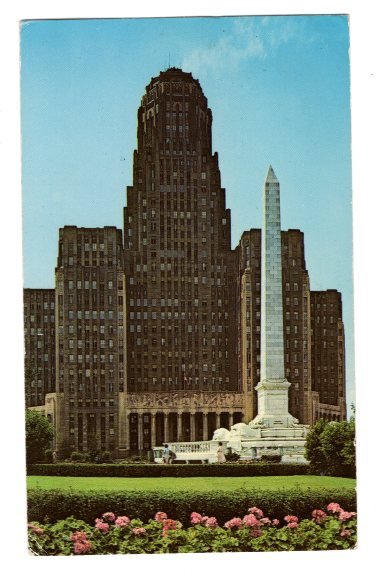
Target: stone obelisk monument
[(273, 387), (274, 431)]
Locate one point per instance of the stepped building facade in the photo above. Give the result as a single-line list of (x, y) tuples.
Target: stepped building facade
[(156, 331)]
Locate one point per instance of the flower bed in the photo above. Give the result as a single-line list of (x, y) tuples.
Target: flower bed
[(332, 529)]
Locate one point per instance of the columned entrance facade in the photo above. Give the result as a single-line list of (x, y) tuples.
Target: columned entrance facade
[(146, 429)]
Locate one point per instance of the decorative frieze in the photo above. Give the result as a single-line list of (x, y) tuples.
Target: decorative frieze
[(229, 401)]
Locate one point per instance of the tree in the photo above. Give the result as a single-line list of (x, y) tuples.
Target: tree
[(39, 434), (330, 447), (313, 449)]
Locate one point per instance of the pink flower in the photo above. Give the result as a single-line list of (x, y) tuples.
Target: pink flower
[(233, 523), (345, 533), (139, 531), (109, 516), (79, 537), (122, 521), (291, 519), (211, 522), (169, 524), (256, 511), (255, 532), (292, 525), (102, 526), (81, 544), (319, 516), (160, 516), (196, 518), (81, 547), (250, 520), (36, 529), (265, 521), (334, 507), (275, 522), (346, 515)]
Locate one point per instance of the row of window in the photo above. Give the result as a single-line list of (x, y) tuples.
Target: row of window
[(37, 319), (96, 357), (93, 315), (169, 302), (36, 306), (86, 285)]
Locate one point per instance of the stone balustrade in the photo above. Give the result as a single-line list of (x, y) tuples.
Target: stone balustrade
[(190, 451)]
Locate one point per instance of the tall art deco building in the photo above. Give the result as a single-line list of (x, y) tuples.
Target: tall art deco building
[(179, 264), (157, 329)]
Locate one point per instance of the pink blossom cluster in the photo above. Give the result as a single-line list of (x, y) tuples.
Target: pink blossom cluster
[(254, 520), (139, 531), (109, 516), (334, 507), (233, 523), (337, 509), (346, 515), (122, 521), (102, 526), (36, 529), (266, 521), (250, 520), (292, 521), (81, 544), (196, 518), (211, 522), (319, 516), (160, 516), (207, 521), (169, 524), (256, 511)]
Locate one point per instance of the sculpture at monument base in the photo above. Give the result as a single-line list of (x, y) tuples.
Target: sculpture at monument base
[(254, 443)]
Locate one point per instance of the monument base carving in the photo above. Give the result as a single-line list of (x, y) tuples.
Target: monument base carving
[(252, 442)]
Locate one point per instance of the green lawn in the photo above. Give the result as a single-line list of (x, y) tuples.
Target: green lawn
[(72, 483)]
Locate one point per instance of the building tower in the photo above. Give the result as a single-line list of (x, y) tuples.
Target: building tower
[(180, 267), (179, 261), (90, 340), (328, 355), (39, 338)]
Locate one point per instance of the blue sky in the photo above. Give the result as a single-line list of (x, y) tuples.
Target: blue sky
[(278, 88)]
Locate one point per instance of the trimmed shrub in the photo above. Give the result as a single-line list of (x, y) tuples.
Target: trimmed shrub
[(271, 458), (105, 457), (56, 504), (80, 457), (165, 470), (232, 457)]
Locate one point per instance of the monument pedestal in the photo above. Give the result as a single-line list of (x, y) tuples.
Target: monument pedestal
[(273, 412)]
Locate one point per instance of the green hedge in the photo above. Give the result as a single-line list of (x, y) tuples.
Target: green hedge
[(51, 505), (175, 470), (178, 470)]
